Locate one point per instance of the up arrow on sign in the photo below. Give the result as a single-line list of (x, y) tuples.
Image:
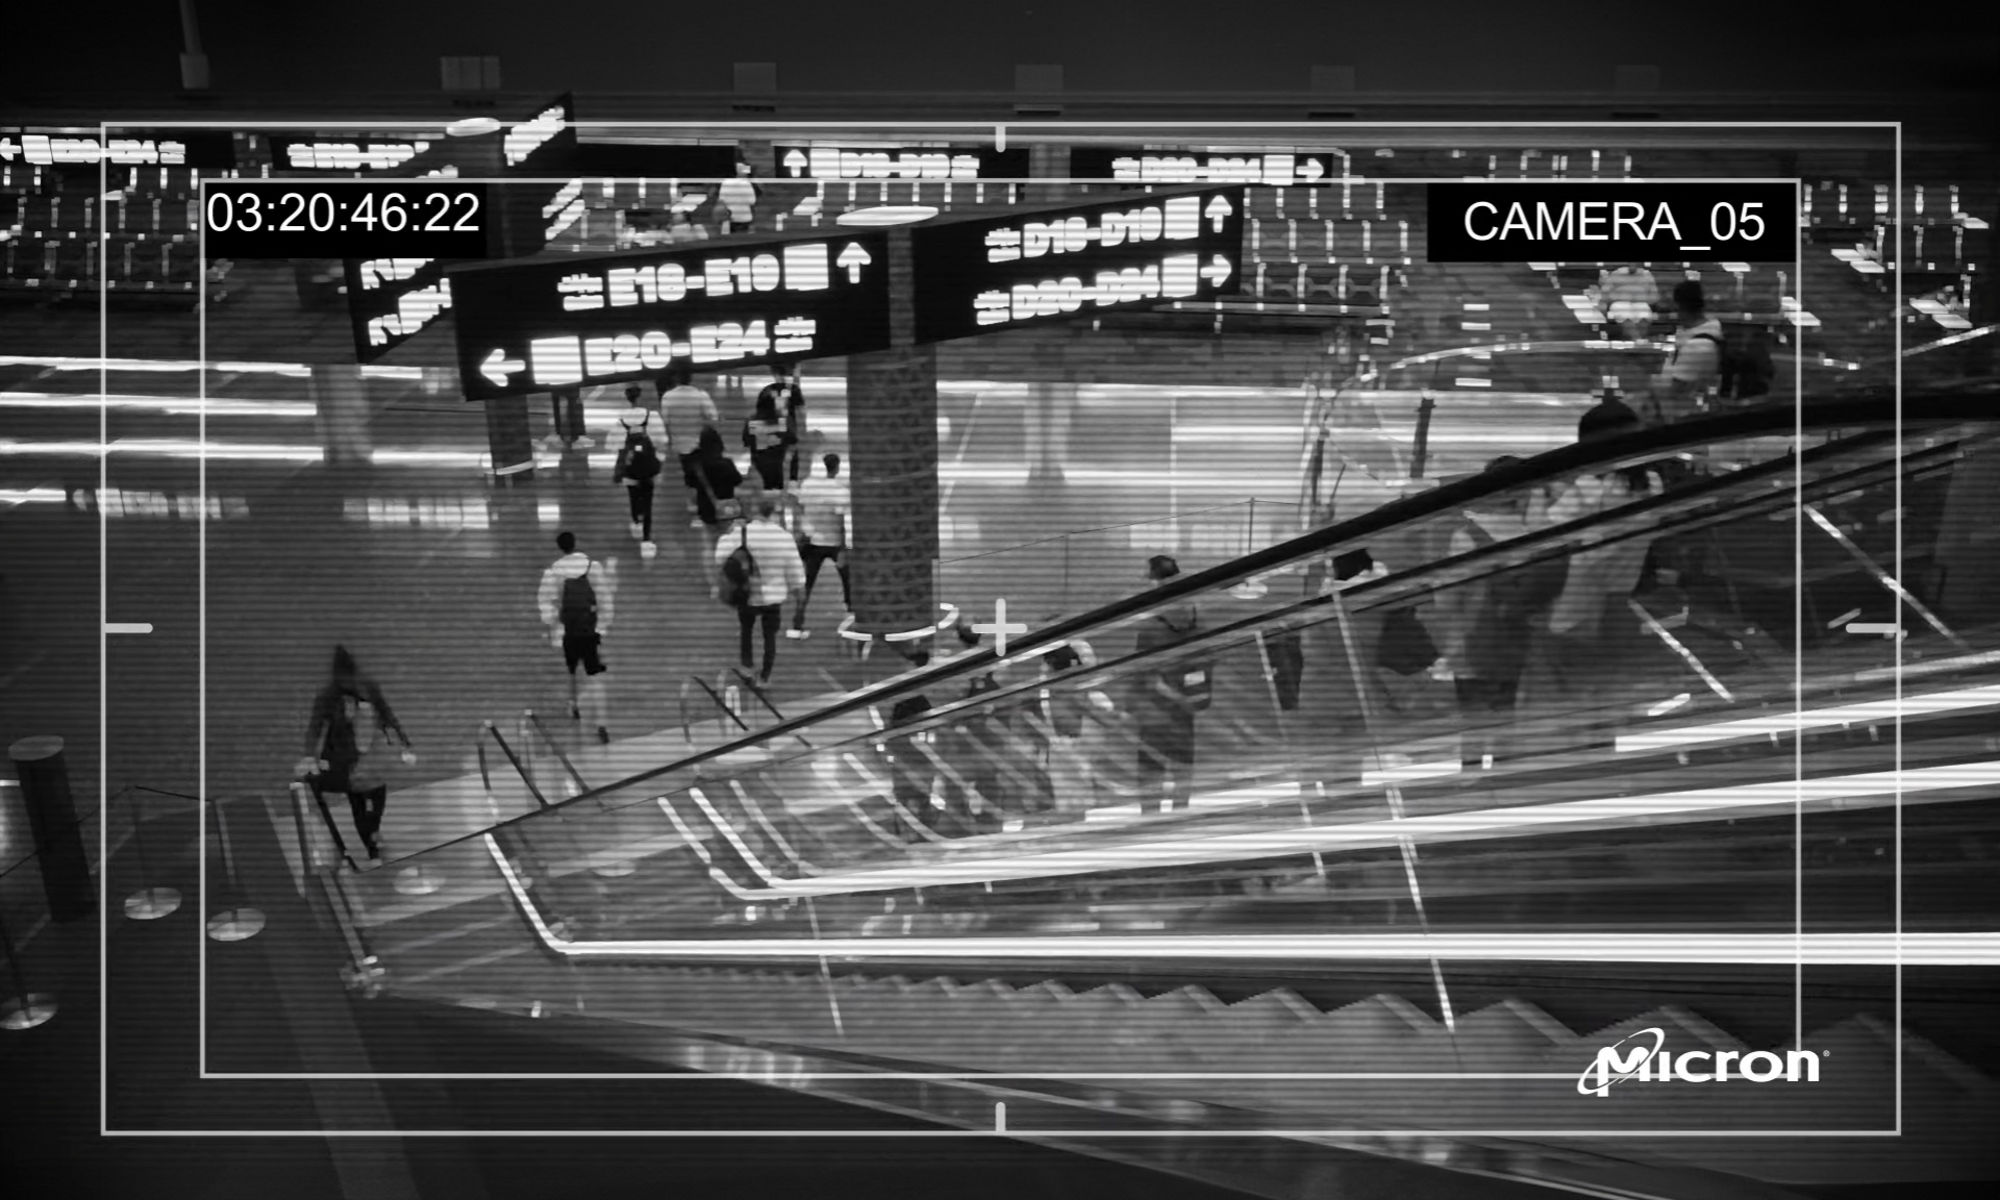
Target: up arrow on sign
[(853, 258), (795, 162), (1216, 271), (498, 367), (1217, 209)]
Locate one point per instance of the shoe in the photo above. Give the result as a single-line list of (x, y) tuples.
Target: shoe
[(638, 531), (603, 735), (575, 713), (764, 679), (797, 635), (697, 523), (649, 550)]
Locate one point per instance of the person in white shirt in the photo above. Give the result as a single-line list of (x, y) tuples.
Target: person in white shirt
[(575, 600), (1695, 366), (736, 202), (776, 572), (1629, 294), (685, 410), (823, 507)]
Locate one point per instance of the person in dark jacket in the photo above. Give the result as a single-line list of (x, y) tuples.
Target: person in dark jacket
[(350, 721), (1162, 710), (715, 478), (769, 439)]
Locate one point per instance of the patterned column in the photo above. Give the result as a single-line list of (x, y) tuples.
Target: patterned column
[(892, 438)]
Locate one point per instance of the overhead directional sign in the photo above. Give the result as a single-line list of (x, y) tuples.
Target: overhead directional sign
[(988, 273), (210, 148), (391, 300), (903, 163), (530, 326), (614, 160), (1130, 165)]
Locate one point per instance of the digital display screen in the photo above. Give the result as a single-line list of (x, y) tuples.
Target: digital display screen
[(205, 148), (916, 164), (548, 201), (988, 273), (1602, 222), (1130, 165), (528, 327), (344, 154)]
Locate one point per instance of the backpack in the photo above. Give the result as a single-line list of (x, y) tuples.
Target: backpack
[(578, 611), (643, 461), (739, 574), (1745, 363)]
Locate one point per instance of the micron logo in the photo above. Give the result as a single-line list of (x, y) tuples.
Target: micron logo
[(1643, 1056)]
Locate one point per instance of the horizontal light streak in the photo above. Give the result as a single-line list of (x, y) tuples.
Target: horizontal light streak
[(1513, 821), (169, 405), (1889, 709)]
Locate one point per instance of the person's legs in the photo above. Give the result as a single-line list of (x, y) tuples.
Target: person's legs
[(360, 803), (840, 565), (814, 558), (689, 478), (746, 617), (772, 616), (641, 495)]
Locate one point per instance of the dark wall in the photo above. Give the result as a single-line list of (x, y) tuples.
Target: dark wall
[(1105, 45)]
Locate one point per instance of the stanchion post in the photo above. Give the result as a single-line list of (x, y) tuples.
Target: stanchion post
[(150, 902), (43, 774), (239, 921), (24, 1009)]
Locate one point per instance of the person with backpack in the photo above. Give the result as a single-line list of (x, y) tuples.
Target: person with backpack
[(350, 725), (768, 437), (1694, 368), (822, 531), (1164, 702), (637, 468), (575, 599), (760, 569)]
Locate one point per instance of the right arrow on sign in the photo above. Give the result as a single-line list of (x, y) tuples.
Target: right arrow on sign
[(1216, 271), (795, 162), (498, 367), (1311, 169), (1218, 209), (853, 259)]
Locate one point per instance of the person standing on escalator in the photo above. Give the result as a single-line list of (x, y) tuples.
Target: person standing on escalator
[(1164, 701)]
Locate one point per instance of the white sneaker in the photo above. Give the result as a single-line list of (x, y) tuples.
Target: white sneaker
[(638, 530), (585, 443), (797, 635), (648, 550)]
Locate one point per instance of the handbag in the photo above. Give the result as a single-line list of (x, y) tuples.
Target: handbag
[(1406, 646), (725, 510)]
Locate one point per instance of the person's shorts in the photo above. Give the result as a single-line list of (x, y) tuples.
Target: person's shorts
[(581, 649)]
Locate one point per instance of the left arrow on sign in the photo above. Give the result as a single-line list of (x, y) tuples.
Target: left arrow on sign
[(1217, 210), (498, 367), (8, 150), (853, 258), (1216, 271)]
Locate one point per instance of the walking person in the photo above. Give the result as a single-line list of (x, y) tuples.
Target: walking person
[(716, 480), (351, 721), (786, 398), (768, 437), (736, 203), (1164, 702), (575, 599), (685, 412), (638, 467), (822, 529), (760, 569)]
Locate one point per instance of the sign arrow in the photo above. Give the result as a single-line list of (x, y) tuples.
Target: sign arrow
[(853, 258), (795, 162), (8, 150), (498, 367), (1311, 169), (1216, 271), (1217, 209)]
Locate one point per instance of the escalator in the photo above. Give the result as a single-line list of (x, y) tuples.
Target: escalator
[(1749, 822)]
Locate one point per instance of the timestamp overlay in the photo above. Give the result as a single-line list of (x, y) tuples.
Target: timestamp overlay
[(358, 219), (537, 322)]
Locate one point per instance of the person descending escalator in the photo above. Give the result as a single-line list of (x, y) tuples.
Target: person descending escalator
[(1164, 701), (1692, 372), (350, 726)]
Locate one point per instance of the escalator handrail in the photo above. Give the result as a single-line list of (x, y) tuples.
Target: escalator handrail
[(1564, 462)]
